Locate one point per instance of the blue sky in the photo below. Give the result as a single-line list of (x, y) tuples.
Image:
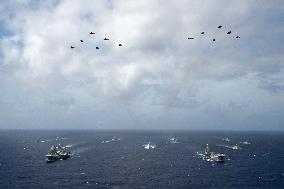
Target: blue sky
[(157, 80)]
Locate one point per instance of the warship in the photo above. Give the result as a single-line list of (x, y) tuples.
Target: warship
[(57, 153), (211, 156), (149, 146), (173, 140)]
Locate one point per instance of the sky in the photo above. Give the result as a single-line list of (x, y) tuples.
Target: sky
[(157, 80)]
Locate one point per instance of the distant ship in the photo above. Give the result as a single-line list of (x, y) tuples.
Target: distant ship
[(245, 142), (211, 156), (173, 141), (149, 146), (236, 147), (226, 139), (57, 153), (112, 140)]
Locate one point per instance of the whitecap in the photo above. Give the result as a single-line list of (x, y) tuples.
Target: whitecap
[(69, 145), (235, 147)]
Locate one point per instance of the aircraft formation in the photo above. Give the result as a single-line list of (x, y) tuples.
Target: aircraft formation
[(97, 47), (190, 38), (219, 27)]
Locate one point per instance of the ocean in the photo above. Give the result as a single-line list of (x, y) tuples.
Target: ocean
[(118, 159)]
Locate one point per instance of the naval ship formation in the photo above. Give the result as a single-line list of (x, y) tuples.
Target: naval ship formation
[(62, 153), (57, 153)]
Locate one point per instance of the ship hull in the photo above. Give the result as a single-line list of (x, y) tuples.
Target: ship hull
[(52, 158), (220, 158)]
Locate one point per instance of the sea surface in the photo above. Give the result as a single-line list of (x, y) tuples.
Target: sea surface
[(118, 159)]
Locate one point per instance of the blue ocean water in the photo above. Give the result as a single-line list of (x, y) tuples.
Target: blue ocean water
[(116, 159)]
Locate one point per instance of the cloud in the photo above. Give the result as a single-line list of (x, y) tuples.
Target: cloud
[(157, 71)]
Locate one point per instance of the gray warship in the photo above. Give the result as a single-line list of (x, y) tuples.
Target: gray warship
[(57, 153), (211, 156)]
